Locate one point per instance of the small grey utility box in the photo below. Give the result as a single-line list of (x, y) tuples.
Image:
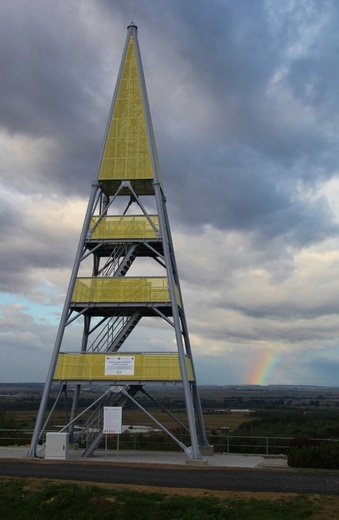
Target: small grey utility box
[(57, 446)]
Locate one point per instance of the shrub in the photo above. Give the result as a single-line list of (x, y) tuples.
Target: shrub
[(324, 455)]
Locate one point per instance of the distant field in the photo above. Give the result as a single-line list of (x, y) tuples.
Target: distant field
[(26, 419), (22, 402)]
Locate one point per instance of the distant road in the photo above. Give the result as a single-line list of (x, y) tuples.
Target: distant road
[(222, 479)]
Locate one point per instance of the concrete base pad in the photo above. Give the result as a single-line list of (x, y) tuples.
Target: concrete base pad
[(207, 450), (196, 462)]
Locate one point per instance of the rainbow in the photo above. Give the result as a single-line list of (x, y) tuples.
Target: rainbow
[(264, 368)]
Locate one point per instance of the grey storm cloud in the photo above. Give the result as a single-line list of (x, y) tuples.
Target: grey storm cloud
[(53, 78)]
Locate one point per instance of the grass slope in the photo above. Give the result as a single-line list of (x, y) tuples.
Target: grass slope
[(40, 499)]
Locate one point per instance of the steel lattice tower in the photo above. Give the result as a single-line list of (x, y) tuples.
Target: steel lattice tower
[(126, 225)]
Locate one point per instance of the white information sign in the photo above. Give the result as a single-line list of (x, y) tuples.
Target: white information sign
[(112, 419), (119, 366)]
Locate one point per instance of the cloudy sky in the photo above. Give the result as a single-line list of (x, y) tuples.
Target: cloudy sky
[(245, 105)]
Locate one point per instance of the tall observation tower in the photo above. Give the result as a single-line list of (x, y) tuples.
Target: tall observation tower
[(124, 274)]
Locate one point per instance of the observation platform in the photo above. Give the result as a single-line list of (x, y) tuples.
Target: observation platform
[(121, 368), (140, 186), (119, 231), (123, 293), (124, 228)]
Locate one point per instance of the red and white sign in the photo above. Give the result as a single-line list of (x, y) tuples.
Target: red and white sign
[(112, 419)]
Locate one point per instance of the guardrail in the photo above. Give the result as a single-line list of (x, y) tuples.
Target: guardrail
[(158, 441), (257, 445)]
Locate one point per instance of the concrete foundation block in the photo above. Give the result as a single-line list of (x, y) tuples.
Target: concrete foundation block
[(208, 451), (196, 462)]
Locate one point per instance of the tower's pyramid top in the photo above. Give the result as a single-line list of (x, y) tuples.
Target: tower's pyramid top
[(129, 151)]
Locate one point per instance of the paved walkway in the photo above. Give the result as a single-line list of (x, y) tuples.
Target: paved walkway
[(177, 477), (152, 457)]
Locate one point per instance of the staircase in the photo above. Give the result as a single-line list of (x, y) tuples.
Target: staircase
[(125, 331), (114, 333), (127, 261), (92, 431)]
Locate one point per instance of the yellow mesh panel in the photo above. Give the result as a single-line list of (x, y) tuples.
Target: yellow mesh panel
[(127, 154), (147, 367), (129, 227), (121, 290), (177, 296)]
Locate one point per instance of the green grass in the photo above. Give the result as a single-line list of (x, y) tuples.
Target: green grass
[(41, 499)]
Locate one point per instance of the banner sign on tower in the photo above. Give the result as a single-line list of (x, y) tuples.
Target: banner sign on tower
[(119, 366)]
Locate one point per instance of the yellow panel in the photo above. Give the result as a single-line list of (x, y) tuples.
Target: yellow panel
[(121, 290), (127, 227), (110, 367), (127, 153)]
